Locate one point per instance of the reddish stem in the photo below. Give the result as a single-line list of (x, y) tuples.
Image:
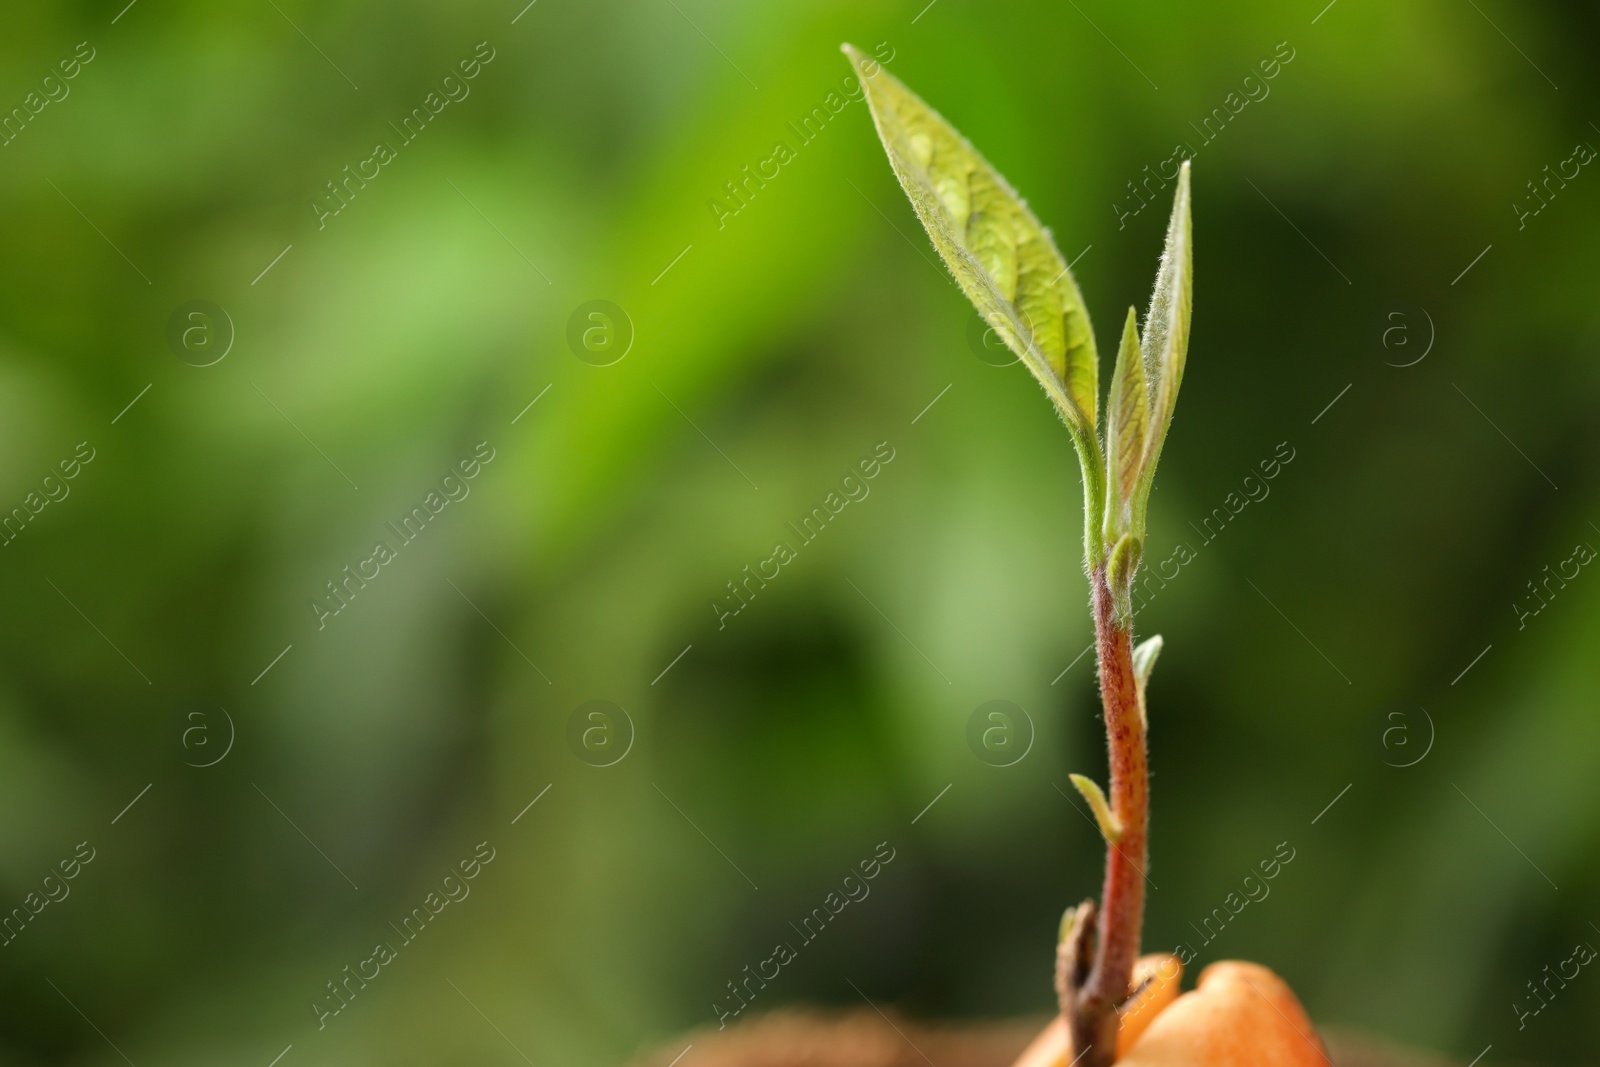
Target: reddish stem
[(1121, 914)]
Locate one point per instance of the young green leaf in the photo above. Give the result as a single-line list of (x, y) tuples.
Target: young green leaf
[(1003, 259), (1074, 921), (1166, 338), (1127, 430), (1144, 659), (1110, 826), (1123, 561)]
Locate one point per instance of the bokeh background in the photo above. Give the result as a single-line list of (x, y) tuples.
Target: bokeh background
[(1373, 610)]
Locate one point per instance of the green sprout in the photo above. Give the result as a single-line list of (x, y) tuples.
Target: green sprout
[(1011, 270)]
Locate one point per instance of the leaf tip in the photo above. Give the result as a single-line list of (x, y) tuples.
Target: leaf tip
[(1110, 825), (1144, 659)]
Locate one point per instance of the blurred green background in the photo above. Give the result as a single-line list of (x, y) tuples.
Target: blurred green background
[(776, 353)]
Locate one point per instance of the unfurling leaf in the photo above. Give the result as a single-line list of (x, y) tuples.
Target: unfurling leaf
[(1166, 339), (1110, 825), (1075, 921), (1074, 953), (1127, 427), (1144, 659), (1003, 259), (1125, 556)]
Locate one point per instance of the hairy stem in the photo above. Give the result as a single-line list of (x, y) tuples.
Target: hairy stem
[(1121, 913), (1094, 492)]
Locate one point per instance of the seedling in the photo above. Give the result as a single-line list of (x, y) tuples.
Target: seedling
[(1010, 268)]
